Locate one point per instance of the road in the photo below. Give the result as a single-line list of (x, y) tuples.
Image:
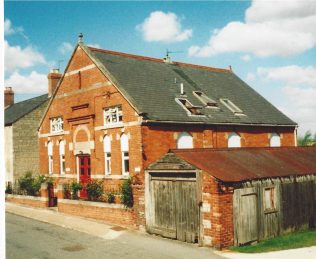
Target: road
[(28, 238)]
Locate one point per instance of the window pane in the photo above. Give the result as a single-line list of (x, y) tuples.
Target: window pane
[(126, 165), (82, 171)]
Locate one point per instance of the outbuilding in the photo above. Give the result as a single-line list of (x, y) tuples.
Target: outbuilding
[(224, 197)]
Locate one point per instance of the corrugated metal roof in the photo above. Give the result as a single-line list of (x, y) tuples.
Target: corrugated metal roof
[(241, 164), (20, 109)]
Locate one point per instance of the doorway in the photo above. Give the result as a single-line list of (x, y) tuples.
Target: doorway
[(84, 173)]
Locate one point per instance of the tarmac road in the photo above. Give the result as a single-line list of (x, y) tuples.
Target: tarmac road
[(29, 238)]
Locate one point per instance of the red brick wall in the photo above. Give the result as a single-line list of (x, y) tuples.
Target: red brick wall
[(118, 216), (217, 215), (25, 200)]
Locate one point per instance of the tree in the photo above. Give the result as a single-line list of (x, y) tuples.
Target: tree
[(307, 140)]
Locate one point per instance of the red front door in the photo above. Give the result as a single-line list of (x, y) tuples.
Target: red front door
[(85, 173)]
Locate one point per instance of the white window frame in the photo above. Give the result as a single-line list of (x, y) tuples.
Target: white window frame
[(107, 154), (189, 106), (56, 125), (232, 140), (231, 106), (275, 140), (207, 101), (50, 157), (113, 112), (125, 154), (269, 201), (62, 166), (185, 140)]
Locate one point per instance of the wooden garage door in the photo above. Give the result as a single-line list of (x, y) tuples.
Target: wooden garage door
[(175, 207), (245, 216)]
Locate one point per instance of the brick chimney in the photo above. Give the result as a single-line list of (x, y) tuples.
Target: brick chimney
[(53, 79), (8, 97)]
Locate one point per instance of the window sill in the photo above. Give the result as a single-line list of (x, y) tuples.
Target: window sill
[(110, 177), (54, 134), (112, 126)]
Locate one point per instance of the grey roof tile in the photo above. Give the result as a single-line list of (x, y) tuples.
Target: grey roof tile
[(20, 109)]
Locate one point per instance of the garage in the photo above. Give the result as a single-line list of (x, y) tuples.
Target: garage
[(172, 204)]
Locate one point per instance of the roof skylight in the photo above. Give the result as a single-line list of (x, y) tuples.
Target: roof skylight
[(207, 101), (231, 106), (189, 107)]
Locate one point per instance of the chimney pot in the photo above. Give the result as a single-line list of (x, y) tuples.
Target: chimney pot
[(53, 79), (8, 96)]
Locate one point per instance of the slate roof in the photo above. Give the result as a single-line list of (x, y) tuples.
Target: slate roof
[(20, 109), (150, 86), (242, 164)]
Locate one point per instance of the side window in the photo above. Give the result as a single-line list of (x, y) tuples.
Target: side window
[(269, 199), (185, 140), (107, 154), (234, 140), (275, 140), (62, 156), (50, 157), (125, 154)]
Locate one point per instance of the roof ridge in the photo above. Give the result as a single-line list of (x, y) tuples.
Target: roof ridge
[(187, 150), (27, 100), (158, 60)]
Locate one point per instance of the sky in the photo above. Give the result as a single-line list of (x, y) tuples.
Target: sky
[(271, 45)]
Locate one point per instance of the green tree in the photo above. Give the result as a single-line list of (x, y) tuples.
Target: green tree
[(307, 140)]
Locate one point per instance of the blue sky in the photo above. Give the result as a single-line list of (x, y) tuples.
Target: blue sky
[(269, 45)]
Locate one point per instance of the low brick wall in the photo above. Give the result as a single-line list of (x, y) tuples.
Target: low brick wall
[(115, 214), (39, 202)]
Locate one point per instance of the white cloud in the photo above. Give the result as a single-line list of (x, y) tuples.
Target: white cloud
[(65, 47), (299, 89), (9, 29), (32, 83), (16, 57), (246, 58), (163, 27), (291, 75), (270, 29), (250, 77)]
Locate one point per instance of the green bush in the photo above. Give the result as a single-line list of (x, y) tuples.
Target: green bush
[(75, 187), (127, 193), (9, 189), (111, 197), (94, 189), (30, 185)]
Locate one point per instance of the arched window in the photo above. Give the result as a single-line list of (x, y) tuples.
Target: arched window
[(107, 154), (275, 140), (234, 140), (125, 154), (62, 156), (185, 140), (50, 157)]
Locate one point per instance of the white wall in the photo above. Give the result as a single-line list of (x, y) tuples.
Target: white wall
[(8, 153)]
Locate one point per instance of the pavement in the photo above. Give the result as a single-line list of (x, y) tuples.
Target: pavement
[(110, 232)]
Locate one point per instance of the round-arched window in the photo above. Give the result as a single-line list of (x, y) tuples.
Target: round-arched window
[(234, 140), (275, 140), (185, 140)]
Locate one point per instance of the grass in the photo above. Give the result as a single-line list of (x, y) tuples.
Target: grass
[(289, 241)]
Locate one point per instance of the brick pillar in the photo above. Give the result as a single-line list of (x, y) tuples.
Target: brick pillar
[(44, 193), (60, 191), (139, 206)]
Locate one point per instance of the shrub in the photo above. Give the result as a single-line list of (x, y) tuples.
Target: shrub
[(75, 187), (30, 185), (127, 194), (67, 191), (9, 189), (94, 189), (111, 197)]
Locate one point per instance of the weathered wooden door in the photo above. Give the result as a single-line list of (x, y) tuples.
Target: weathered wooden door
[(85, 173), (175, 206), (245, 216)]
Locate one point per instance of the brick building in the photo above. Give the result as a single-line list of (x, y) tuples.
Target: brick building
[(113, 114), (20, 134)]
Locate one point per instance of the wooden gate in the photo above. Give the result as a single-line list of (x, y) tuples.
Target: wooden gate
[(245, 216), (174, 206)]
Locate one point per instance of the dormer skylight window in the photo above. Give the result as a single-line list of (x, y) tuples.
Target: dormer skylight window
[(189, 107), (231, 106), (113, 115), (56, 125), (207, 101)]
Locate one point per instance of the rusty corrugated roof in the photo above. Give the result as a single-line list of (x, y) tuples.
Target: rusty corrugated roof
[(241, 164)]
